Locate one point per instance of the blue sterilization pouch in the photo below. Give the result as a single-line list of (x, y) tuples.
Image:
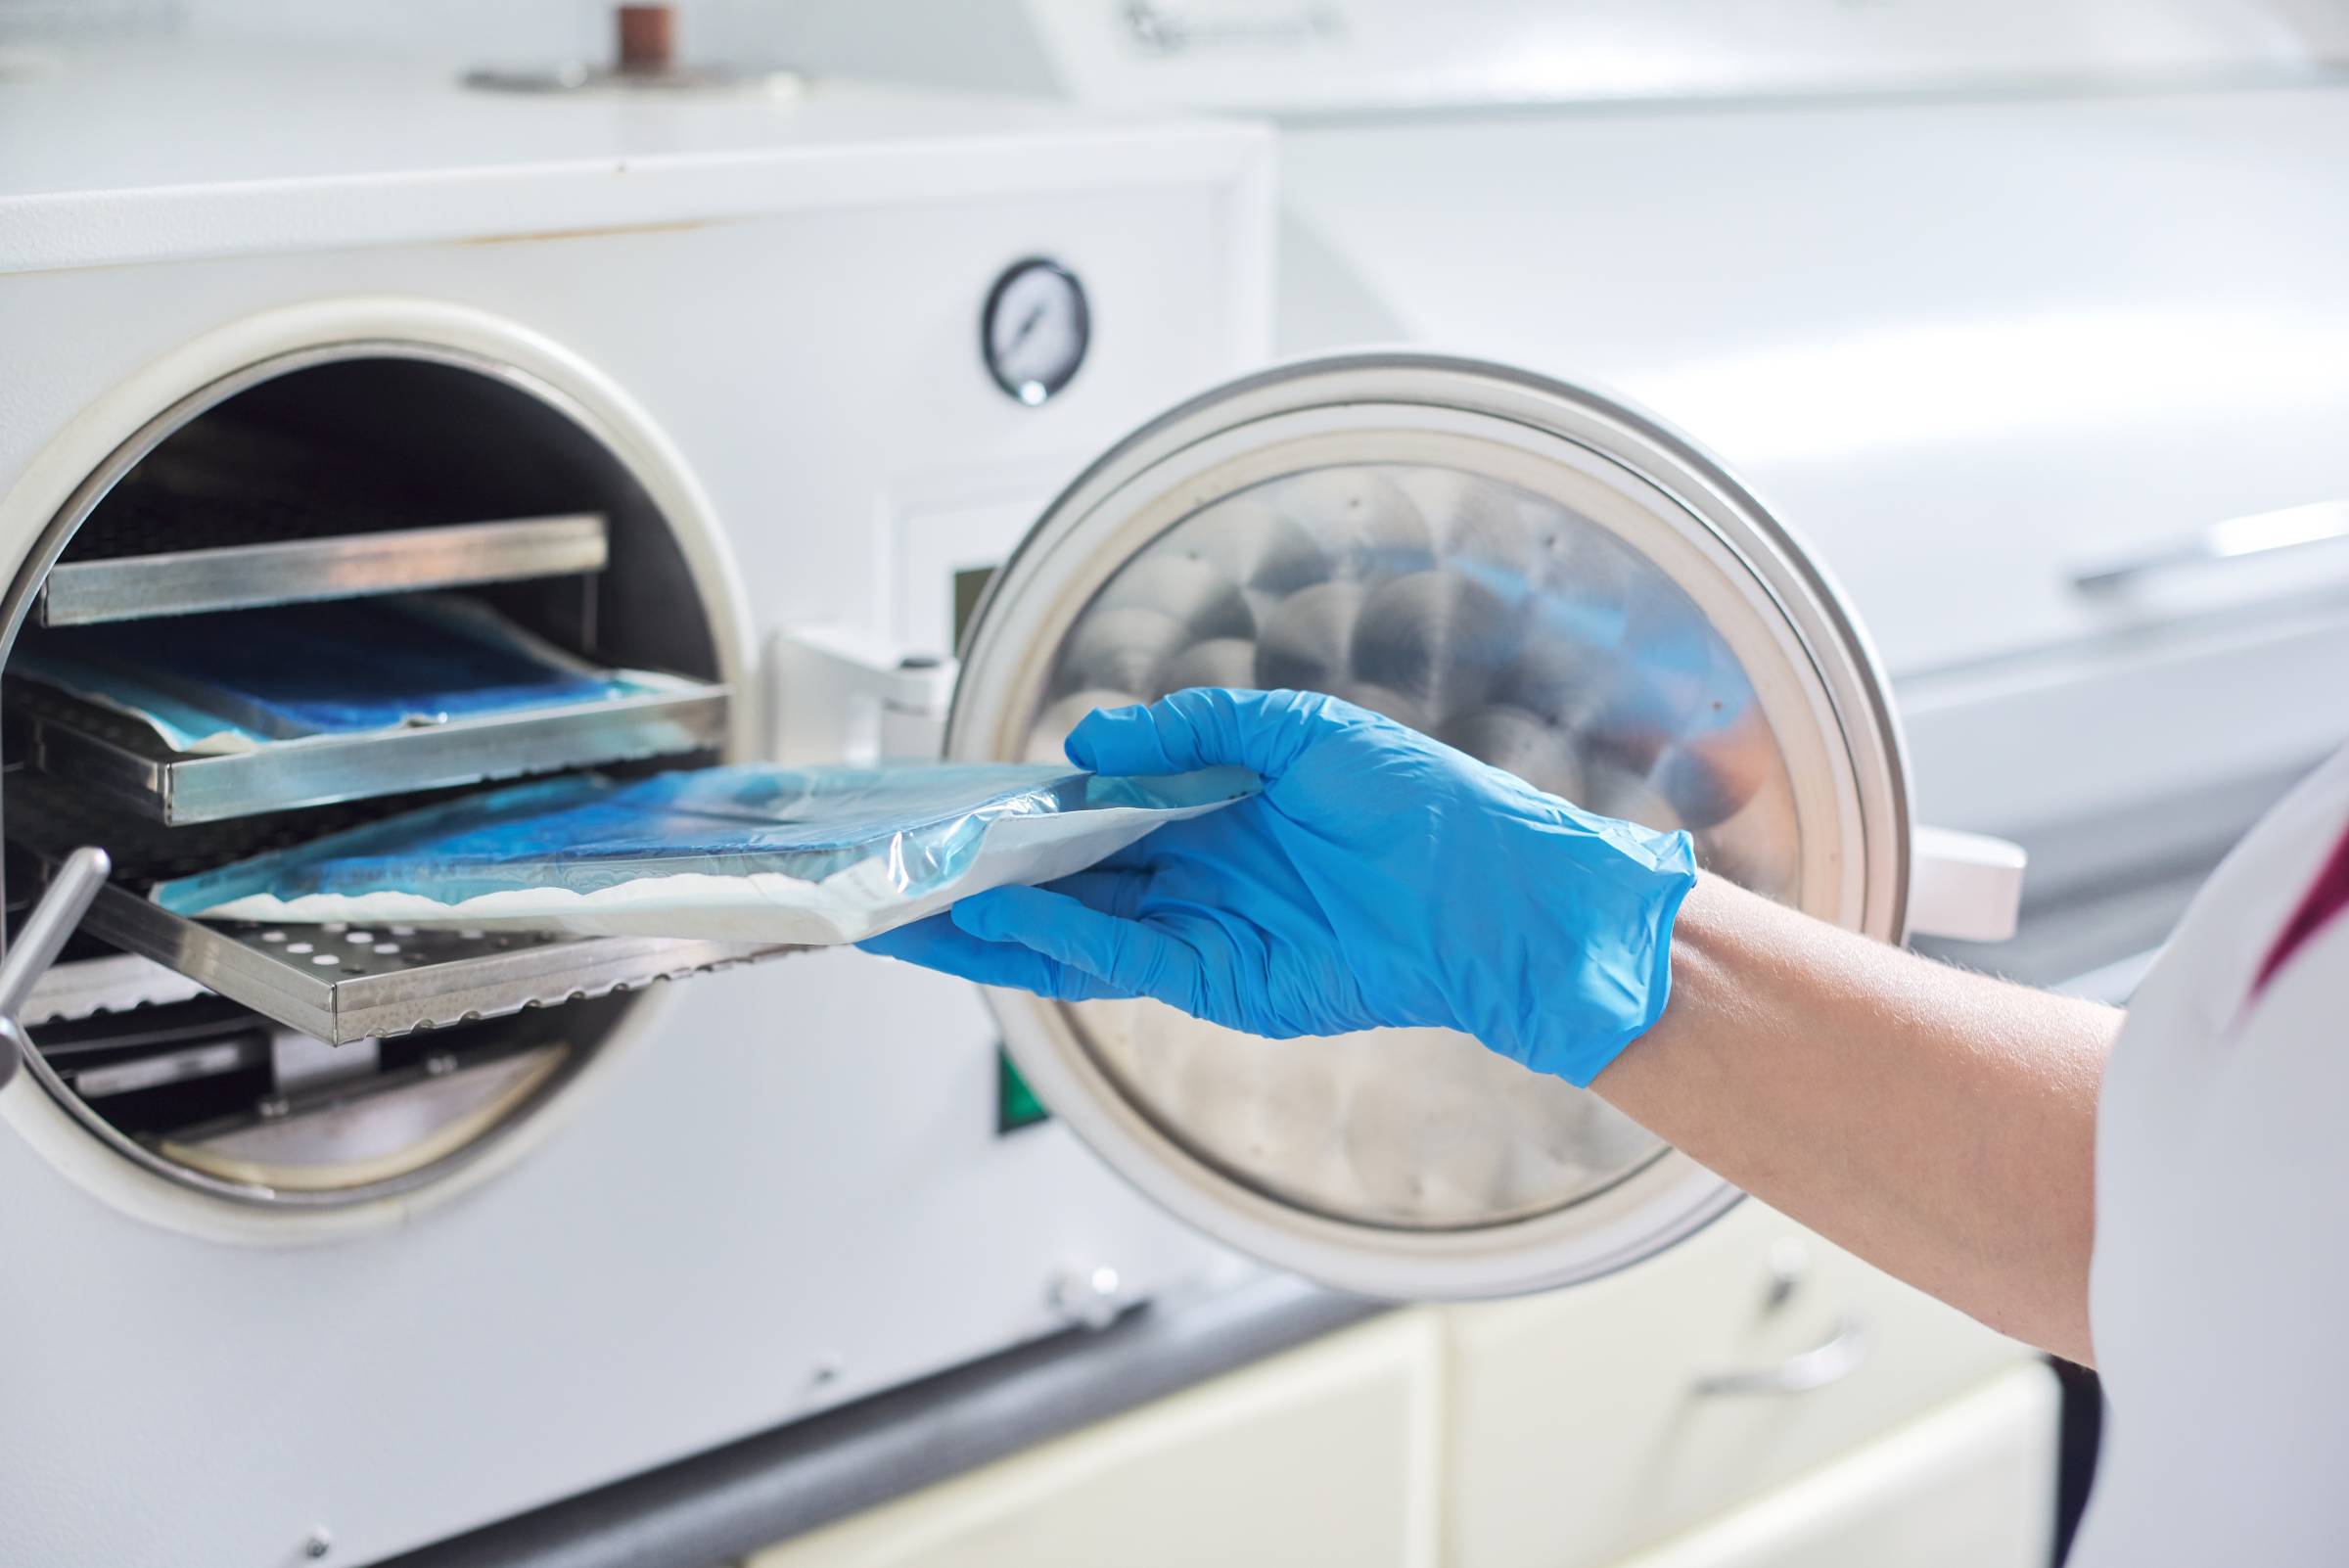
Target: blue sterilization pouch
[(744, 854), (236, 680)]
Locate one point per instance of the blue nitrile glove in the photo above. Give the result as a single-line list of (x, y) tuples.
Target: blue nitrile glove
[(1380, 879)]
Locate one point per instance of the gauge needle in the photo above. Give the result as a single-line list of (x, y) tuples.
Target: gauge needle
[(1028, 324)]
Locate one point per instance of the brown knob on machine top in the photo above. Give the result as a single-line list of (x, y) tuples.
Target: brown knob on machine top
[(647, 39)]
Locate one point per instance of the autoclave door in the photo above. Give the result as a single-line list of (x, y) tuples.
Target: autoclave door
[(1533, 573)]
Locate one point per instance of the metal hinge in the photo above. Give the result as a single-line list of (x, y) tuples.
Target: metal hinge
[(839, 698)]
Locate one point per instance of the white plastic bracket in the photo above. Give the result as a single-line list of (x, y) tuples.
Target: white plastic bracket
[(1968, 887), (839, 697)]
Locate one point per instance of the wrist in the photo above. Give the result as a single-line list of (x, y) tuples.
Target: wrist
[(1596, 955)]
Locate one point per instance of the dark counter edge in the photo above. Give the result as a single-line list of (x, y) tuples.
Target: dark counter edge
[(714, 1506)]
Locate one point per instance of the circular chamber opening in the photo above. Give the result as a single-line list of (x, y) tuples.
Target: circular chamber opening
[(357, 442), (1534, 577)]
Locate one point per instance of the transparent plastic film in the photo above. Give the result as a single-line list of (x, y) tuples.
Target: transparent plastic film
[(745, 854)]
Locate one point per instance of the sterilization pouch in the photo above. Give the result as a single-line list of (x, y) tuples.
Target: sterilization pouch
[(236, 680), (752, 853)]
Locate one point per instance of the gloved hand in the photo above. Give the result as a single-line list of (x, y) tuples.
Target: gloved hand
[(1380, 879)]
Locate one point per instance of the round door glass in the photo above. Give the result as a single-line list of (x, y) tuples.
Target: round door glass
[(1503, 623)]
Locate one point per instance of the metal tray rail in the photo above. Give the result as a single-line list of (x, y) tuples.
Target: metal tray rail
[(89, 748), (345, 566), (342, 984)]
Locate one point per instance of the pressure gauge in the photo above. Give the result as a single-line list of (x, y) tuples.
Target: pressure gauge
[(1034, 329)]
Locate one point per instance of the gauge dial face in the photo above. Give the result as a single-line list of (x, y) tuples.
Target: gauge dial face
[(1035, 329)]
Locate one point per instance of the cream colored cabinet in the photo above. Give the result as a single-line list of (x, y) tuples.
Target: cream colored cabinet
[(1753, 1399), (1325, 1455), (1585, 1425), (1968, 1485)]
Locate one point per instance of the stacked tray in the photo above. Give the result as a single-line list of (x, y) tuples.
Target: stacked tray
[(339, 984), (93, 747), (78, 763), (342, 984), (71, 737), (85, 592)]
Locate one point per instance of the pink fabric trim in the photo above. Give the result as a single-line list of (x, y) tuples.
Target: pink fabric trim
[(2326, 897)]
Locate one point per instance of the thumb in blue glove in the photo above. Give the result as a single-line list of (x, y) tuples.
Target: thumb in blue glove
[(1380, 879)]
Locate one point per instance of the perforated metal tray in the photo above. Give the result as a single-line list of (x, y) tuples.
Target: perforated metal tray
[(342, 984), (246, 576), (90, 748)]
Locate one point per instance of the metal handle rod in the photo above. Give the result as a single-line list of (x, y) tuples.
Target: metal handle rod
[(1832, 1361), (43, 936), (2295, 528)]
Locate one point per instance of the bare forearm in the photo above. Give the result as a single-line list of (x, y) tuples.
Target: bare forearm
[(1939, 1124)]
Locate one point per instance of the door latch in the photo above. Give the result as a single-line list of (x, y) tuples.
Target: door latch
[(1964, 885)]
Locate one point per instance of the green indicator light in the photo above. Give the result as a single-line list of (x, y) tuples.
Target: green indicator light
[(1016, 1104)]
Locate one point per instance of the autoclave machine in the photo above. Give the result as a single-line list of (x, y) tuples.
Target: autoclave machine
[(346, 1241)]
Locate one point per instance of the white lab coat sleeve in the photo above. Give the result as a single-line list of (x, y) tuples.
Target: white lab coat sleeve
[(2222, 1253)]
